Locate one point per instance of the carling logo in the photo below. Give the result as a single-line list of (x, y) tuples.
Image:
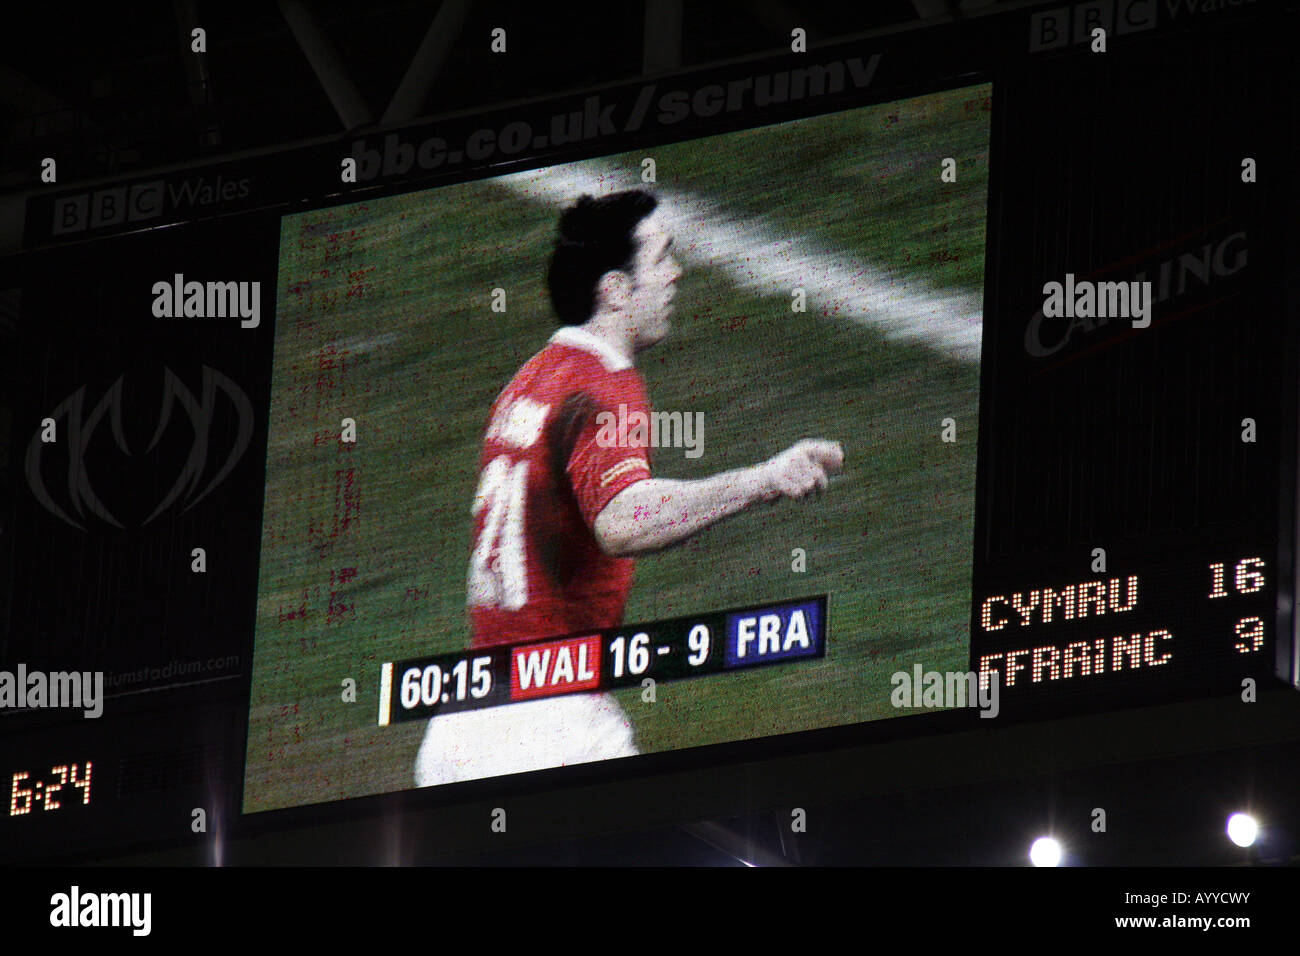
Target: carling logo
[(1176, 277)]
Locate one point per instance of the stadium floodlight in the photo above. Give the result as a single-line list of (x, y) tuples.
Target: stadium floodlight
[(1045, 852), (1242, 829)]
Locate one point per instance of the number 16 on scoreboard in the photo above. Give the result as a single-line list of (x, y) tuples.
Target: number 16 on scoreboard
[(1248, 577)]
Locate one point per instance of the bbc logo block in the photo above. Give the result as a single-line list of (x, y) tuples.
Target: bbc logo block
[(108, 207), (1064, 26)]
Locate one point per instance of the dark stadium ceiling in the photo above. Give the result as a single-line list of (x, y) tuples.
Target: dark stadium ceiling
[(114, 89)]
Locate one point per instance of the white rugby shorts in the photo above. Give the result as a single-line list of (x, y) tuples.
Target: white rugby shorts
[(516, 738)]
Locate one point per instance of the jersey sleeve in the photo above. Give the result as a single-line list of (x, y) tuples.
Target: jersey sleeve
[(605, 458)]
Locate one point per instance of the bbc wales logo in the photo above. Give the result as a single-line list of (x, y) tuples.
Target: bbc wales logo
[(142, 202), (1064, 26)]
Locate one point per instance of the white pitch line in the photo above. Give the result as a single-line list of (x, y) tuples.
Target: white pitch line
[(757, 259)]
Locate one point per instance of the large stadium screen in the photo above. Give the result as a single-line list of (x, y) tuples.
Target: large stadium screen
[(554, 480)]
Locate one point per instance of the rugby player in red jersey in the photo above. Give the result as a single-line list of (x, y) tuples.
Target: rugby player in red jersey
[(561, 511)]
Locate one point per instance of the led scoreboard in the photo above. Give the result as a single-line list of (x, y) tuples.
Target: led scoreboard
[(1088, 511), (1200, 622)]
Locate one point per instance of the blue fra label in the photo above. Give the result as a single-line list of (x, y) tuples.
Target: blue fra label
[(774, 634)]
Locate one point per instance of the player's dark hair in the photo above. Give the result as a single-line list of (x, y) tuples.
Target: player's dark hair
[(595, 236)]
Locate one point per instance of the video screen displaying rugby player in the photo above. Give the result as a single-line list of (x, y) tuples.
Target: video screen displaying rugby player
[(567, 467)]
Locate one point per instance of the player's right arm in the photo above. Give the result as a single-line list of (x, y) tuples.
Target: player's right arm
[(657, 513)]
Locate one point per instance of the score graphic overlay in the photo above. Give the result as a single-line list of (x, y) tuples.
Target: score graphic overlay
[(1198, 622), (613, 658)]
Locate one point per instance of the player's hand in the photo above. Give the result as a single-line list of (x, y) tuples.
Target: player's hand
[(802, 469)]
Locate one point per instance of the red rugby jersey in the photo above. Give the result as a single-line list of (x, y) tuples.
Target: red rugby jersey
[(535, 567)]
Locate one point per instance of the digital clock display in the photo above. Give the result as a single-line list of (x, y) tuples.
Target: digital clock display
[(65, 785)]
